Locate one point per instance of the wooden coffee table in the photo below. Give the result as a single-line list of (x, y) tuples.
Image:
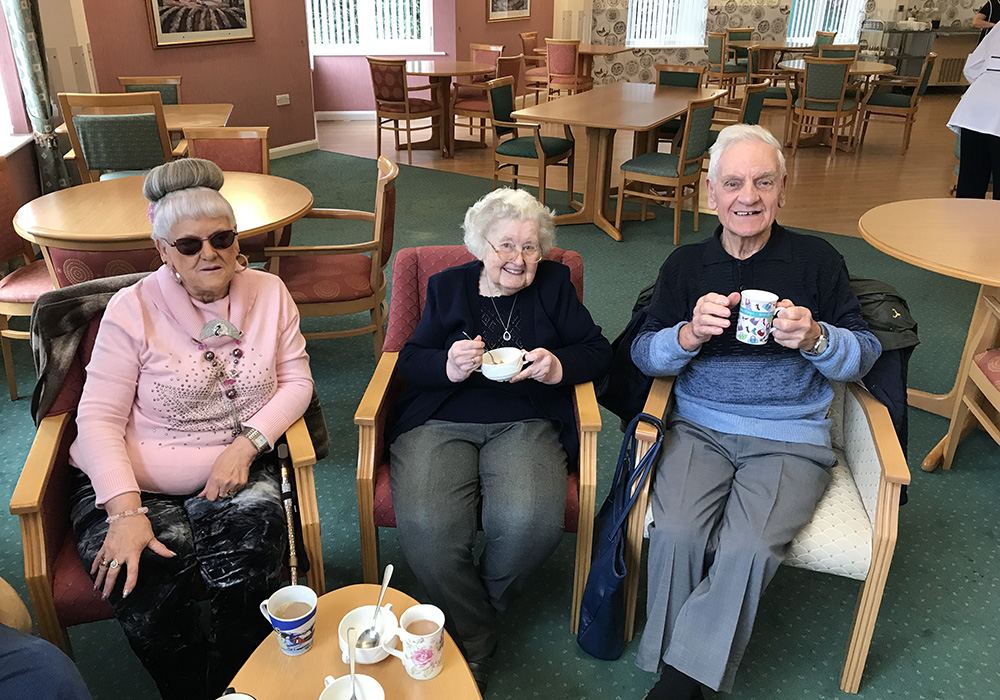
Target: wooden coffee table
[(953, 237), (271, 675)]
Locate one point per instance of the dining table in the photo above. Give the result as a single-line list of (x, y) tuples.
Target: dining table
[(953, 237), (177, 117), (439, 73), (636, 107), (771, 49), (587, 52)]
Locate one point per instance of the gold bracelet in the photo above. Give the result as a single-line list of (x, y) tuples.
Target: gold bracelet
[(141, 510)]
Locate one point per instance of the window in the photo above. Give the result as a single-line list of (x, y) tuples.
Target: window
[(811, 16), (369, 26), (659, 23)]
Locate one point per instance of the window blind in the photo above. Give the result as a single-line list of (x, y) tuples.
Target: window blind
[(658, 23), (810, 16)]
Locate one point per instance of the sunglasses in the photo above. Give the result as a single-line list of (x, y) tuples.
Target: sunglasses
[(192, 246)]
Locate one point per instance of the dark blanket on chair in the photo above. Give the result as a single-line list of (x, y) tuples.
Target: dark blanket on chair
[(59, 320)]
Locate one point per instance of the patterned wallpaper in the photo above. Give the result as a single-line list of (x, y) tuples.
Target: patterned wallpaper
[(955, 13), (768, 17)]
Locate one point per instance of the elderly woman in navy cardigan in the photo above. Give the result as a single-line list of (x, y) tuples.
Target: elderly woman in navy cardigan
[(461, 443)]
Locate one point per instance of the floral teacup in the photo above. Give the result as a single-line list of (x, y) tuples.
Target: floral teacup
[(421, 630)]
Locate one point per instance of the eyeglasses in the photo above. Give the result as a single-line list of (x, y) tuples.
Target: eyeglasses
[(508, 252), (192, 246)]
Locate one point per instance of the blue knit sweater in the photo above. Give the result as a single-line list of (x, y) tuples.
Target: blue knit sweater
[(764, 391)]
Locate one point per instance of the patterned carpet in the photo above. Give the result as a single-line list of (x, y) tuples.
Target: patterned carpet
[(937, 630)]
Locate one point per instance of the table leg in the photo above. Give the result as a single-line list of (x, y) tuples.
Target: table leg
[(600, 142), (439, 125), (944, 404)]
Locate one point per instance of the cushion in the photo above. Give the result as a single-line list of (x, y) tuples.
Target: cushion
[(659, 164), (889, 99), (540, 72), (313, 279), (524, 147), (989, 363), (827, 106), (25, 284), (778, 93), (474, 105), (417, 105), (73, 591)]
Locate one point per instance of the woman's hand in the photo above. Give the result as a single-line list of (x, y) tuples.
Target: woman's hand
[(464, 356), (230, 471), (123, 545), (545, 368)]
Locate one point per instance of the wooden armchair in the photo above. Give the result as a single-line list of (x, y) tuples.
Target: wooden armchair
[(410, 272), (60, 588), (853, 531), (393, 103)]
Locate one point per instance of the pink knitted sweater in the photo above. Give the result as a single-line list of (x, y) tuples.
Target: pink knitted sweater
[(154, 415)]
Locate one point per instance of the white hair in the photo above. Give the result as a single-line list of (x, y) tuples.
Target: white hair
[(185, 189), (505, 204), (738, 133)]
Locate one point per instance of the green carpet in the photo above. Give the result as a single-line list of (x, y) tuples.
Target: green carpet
[(937, 630)]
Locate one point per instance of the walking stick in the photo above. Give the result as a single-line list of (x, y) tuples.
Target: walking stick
[(286, 496)]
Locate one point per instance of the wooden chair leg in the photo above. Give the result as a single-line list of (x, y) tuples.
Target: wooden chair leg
[(678, 205), (907, 128), (621, 202), (863, 626), (8, 359), (694, 203), (541, 180), (378, 137)]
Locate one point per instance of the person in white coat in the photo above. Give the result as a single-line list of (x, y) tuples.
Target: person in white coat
[(977, 121)]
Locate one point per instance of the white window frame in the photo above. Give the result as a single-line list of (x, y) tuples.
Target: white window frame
[(323, 41), (666, 23), (802, 29)]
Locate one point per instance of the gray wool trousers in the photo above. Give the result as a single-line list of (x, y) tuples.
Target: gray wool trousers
[(725, 508)]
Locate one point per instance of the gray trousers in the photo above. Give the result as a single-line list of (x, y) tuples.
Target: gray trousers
[(725, 508), (441, 473)]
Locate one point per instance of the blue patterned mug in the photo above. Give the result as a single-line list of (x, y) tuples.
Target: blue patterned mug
[(757, 310), (292, 613)]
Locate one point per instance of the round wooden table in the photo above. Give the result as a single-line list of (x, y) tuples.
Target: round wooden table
[(865, 68), (440, 74), (112, 215), (271, 675), (954, 237)]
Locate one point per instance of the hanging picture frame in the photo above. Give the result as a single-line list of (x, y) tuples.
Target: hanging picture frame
[(503, 10), (173, 23)]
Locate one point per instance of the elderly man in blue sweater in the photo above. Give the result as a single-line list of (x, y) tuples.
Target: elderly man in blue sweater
[(747, 450)]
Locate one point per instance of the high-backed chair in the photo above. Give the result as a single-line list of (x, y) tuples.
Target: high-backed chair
[(678, 172), (782, 89), (749, 111), (345, 278), (822, 39), (20, 288), (410, 272), (839, 51), (883, 102), (564, 66), (675, 75), (978, 401), (393, 103), (474, 103), (536, 150), (169, 86), (721, 70), (739, 53), (822, 103), (853, 530), (117, 134), (61, 592), (536, 74)]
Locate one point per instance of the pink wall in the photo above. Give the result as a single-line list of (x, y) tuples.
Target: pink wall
[(247, 74), (343, 84)]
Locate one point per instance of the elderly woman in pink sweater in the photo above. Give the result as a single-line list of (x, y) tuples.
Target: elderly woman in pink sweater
[(196, 371)]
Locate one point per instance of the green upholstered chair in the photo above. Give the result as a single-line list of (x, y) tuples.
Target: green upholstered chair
[(472, 103), (721, 71), (839, 51), (676, 76), (512, 150), (782, 90), (822, 104), (169, 86), (117, 134), (739, 53), (749, 112), (895, 98), (822, 39), (651, 174)]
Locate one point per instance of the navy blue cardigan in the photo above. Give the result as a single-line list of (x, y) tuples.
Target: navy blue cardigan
[(552, 317)]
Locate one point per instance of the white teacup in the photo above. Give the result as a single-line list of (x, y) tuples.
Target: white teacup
[(292, 613), (421, 630), (340, 688), (361, 619), (757, 310), (502, 364)]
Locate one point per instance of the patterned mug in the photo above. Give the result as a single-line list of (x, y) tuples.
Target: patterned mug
[(757, 310), (421, 630), (292, 613)]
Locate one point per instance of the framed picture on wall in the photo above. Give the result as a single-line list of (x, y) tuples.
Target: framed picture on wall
[(500, 10), (176, 23)]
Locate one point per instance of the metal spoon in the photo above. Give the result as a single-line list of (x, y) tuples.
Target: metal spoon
[(352, 638), (369, 639), (493, 360)]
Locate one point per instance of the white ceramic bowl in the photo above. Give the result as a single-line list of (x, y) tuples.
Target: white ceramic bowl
[(361, 619), (502, 364), (340, 688)]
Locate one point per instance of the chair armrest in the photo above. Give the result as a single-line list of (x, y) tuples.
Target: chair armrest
[(587, 410), (38, 466), (373, 402), (300, 446), (295, 250), (890, 454), (181, 149), (343, 214), (656, 405)]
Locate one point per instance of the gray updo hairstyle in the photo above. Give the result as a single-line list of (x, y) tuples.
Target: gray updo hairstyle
[(505, 204), (185, 189)]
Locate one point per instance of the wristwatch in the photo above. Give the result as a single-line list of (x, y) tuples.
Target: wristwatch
[(821, 343), (257, 438)]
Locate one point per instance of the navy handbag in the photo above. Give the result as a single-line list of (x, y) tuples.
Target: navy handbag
[(602, 611)]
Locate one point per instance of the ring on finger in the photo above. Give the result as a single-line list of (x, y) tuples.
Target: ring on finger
[(104, 562), (113, 564)]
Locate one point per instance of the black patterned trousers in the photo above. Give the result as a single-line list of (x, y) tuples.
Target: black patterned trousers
[(229, 553)]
